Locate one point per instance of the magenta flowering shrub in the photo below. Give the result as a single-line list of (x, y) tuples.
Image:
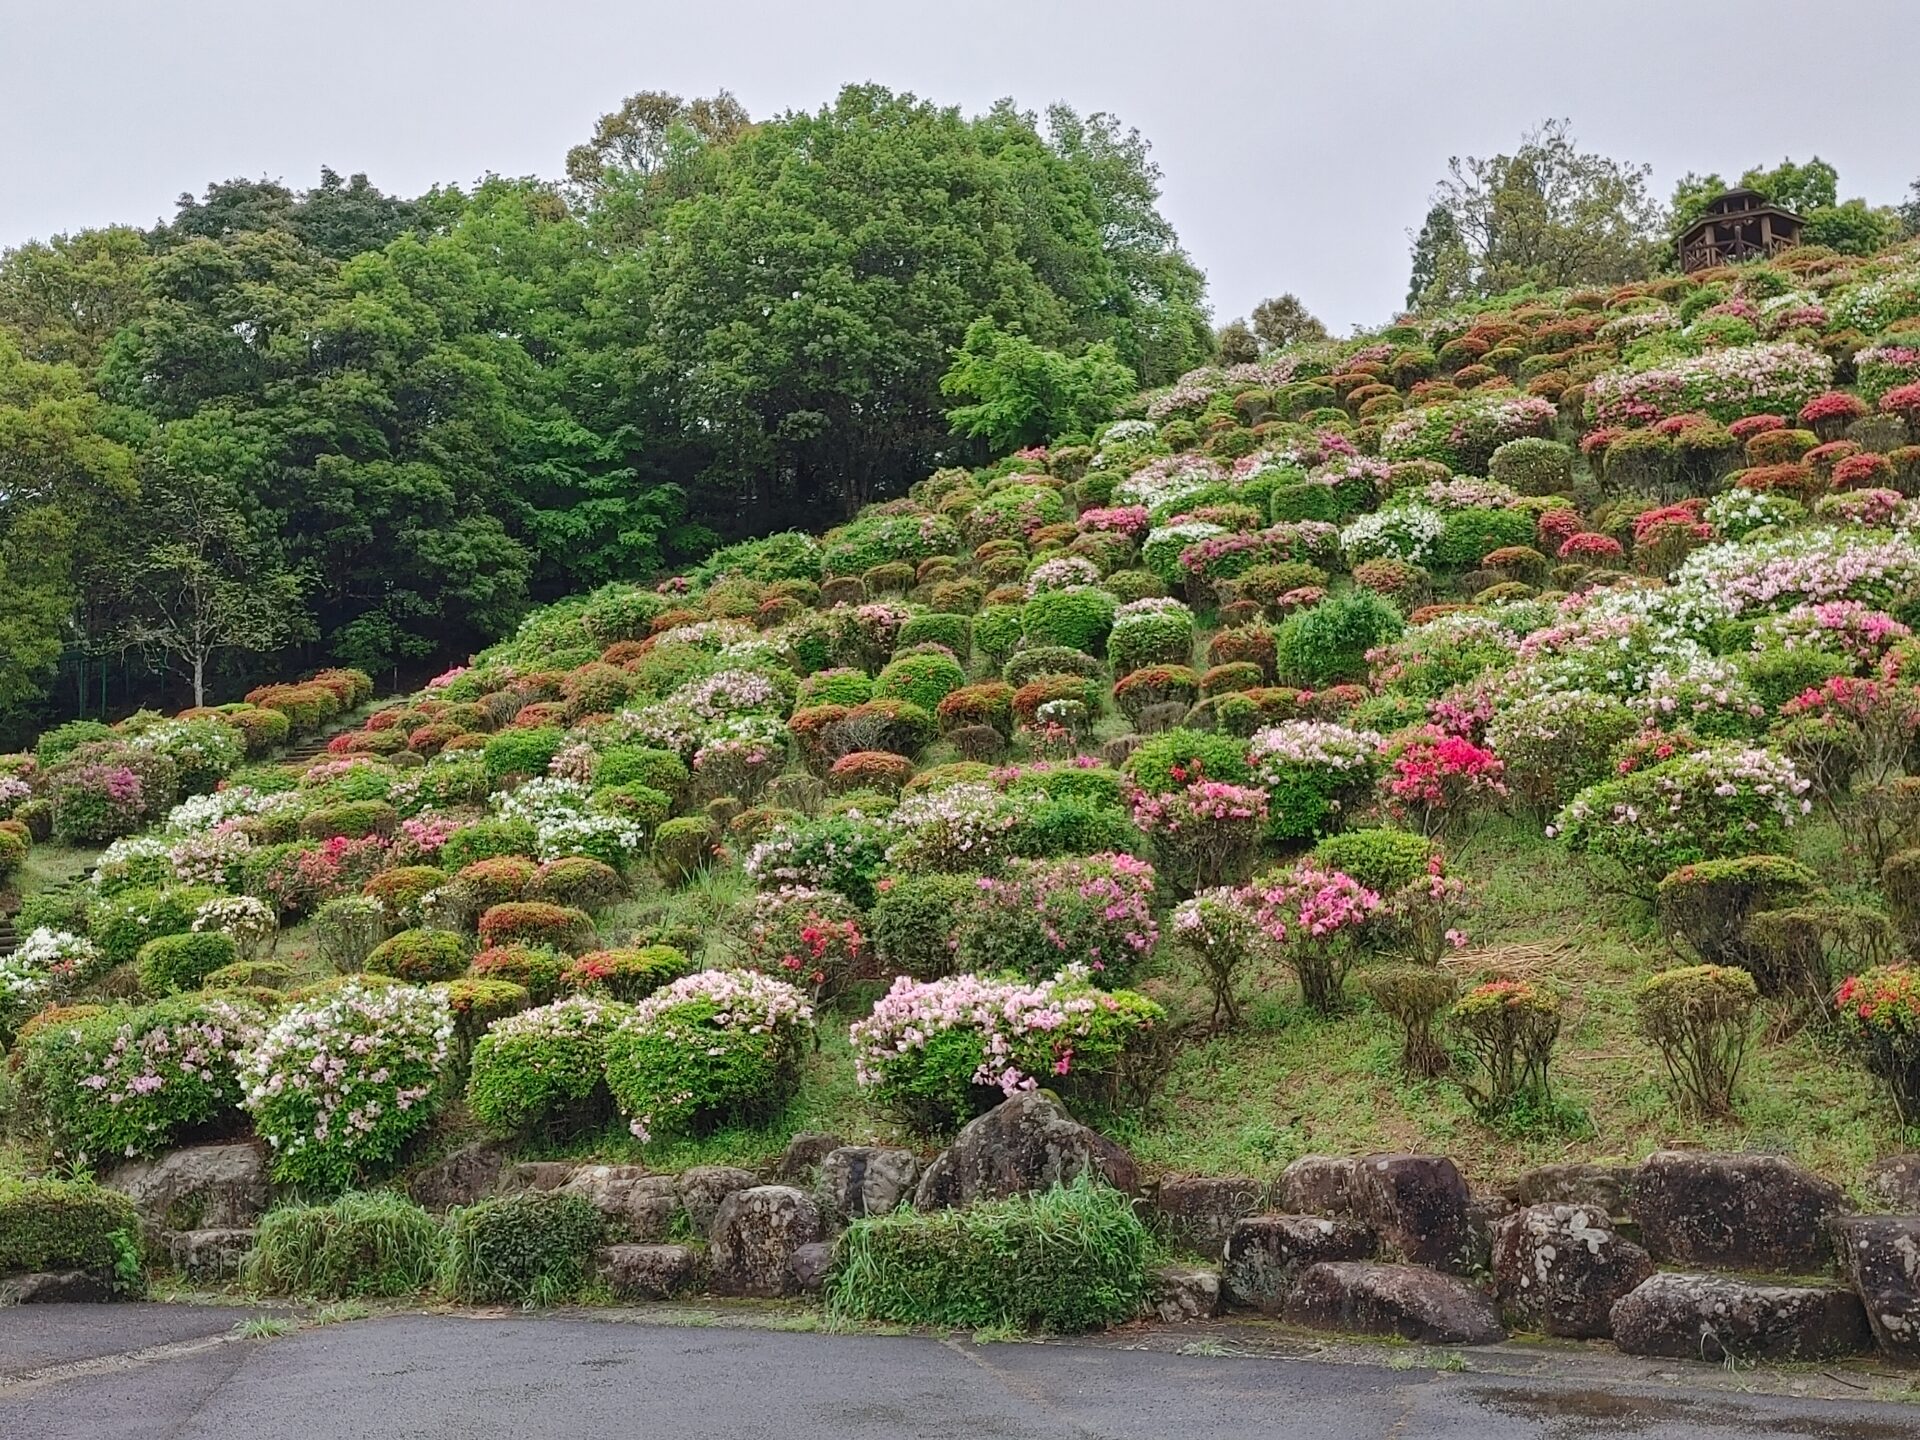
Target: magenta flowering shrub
[(1128, 520), (1726, 384), (94, 801), (1094, 911), (337, 1085), (1204, 835), (1433, 779), (1882, 368), (124, 1083), (938, 1052), (1313, 917)]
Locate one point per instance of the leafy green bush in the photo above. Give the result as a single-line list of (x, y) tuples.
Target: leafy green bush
[(1472, 533), (487, 840), (914, 919), (346, 930), (1382, 860), (924, 680), (122, 1082), (1777, 674), (531, 1249), (627, 975), (534, 922), (419, 957), (171, 963), (543, 1069), (716, 1045), (522, 751), (1070, 1259), (354, 819), (365, 1243), (69, 1225), (1699, 1018), (1533, 466), (1077, 619), (683, 848), (1708, 904), (660, 770), (1194, 754), (120, 924), (1029, 665), (1328, 643)]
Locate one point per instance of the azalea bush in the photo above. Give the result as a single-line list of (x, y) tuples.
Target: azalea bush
[(1725, 383), (1218, 935), (1700, 1019), (938, 1052), (1433, 780), (1094, 912), (1879, 1014), (543, 1069), (813, 939), (831, 852), (339, 1084), (1314, 917), (47, 967), (1508, 1028), (1714, 803), (120, 1083), (718, 1045), (1204, 835), (1314, 772)]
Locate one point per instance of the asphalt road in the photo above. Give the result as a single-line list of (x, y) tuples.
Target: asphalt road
[(64, 1372)]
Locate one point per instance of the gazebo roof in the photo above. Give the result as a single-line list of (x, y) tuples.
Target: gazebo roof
[(1739, 203)]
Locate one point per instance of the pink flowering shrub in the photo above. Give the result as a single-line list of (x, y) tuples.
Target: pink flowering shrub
[(1844, 627), (1128, 520), (1312, 916), (1205, 834), (1725, 384), (938, 1052), (95, 801), (719, 1045), (1590, 548), (1433, 779), (125, 1083), (1094, 911), (338, 1085)]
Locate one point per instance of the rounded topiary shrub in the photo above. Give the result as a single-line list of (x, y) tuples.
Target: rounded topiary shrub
[(535, 922), (338, 1084), (719, 1045), (1533, 466), (65, 1225), (121, 923), (1381, 860), (683, 848), (1178, 758), (577, 880), (419, 957), (171, 963), (1328, 644), (543, 1069), (535, 968), (532, 1249), (354, 819), (924, 679), (627, 975), (522, 751), (914, 922), (488, 840), (1077, 619)]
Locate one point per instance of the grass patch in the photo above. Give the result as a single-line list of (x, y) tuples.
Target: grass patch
[(371, 1243)]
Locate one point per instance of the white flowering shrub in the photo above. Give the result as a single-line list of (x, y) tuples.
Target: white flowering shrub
[(337, 1085)]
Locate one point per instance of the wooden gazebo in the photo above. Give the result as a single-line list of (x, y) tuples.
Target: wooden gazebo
[(1737, 225)]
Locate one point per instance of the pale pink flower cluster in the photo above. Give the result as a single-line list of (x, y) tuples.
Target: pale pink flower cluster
[(1003, 1013), (1846, 627)]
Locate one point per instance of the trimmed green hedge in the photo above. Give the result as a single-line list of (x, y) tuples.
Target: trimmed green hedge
[(69, 1225), (1070, 1259)]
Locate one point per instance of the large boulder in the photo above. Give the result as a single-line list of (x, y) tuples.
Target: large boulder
[(639, 1206), (1895, 1182), (203, 1187), (467, 1176), (1882, 1258), (810, 1265), (1318, 1185), (1024, 1144), (859, 1180), (1267, 1254), (651, 1272), (1178, 1293), (1422, 1209), (800, 1162), (537, 1176), (1410, 1301), (204, 1256), (704, 1188), (755, 1236), (1575, 1183), (1734, 1210), (1199, 1212), (1559, 1269), (1712, 1317)]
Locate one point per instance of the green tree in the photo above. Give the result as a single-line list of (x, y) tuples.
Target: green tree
[(1283, 320), (65, 298), (1025, 395), (1803, 188), (1235, 344), (1551, 214), (1441, 265)]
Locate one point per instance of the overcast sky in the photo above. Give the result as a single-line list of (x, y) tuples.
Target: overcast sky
[(1300, 141)]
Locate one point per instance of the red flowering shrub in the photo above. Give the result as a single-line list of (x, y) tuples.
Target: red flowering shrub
[(1879, 1012), (1823, 458), (1829, 413), (1028, 699), (1864, 471), (1252, 645), (1590, 548), (629, 976), (1558, 526), (535, 922), (1777, 447), (534, 968), (1748, 426), (1152, 685), (1904, 401), (870, 770), (990, 703), (812, 730)]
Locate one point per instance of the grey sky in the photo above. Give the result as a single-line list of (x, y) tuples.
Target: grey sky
[(1300, 140)]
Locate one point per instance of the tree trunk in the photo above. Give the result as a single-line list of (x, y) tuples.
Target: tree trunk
[(199, 679)]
